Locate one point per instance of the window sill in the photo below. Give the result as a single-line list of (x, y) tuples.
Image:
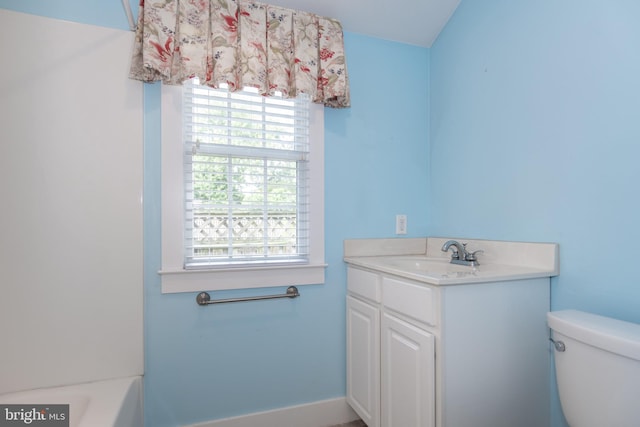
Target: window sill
[(175, 281)]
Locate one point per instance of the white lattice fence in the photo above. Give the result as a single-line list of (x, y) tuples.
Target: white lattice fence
[(213, 232)]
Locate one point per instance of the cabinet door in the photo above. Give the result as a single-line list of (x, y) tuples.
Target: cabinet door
[(363, 360), (408, 369)]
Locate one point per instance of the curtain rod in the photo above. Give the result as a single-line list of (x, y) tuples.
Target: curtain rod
[(127, 10)]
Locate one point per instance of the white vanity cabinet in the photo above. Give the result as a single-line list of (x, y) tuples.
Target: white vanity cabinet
[(462, 355), (363, 346), (407, 373)]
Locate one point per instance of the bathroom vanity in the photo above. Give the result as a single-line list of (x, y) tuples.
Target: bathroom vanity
[(430, 343)]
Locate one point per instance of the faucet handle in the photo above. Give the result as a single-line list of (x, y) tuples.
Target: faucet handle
[(472, 256)]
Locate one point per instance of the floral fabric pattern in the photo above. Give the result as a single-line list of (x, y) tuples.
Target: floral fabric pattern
[(242, 44)]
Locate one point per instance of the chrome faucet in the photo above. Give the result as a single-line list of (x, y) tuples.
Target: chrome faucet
[(459, 253)]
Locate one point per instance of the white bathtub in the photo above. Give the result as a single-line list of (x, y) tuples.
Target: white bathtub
[(110, 403)]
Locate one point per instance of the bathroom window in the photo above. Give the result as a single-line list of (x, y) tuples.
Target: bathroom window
[(242, 190), (246, 174)]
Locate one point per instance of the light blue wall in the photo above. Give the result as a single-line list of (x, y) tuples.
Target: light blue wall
[(104, 13), (535, 136), (206, 363)]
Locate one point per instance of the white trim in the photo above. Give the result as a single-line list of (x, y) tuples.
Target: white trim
[(174, 277), (240, 278), (322, 413)]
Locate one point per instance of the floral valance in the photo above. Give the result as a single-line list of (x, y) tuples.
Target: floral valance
[(242, 44)]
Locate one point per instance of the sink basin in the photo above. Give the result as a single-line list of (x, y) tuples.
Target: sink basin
[(427, 267), (434, 265)]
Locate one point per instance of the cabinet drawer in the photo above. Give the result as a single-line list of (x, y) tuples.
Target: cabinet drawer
[(416, 301), (364, 283)]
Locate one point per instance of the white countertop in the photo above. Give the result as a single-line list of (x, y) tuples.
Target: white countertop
[(502, 261), (439, 271)]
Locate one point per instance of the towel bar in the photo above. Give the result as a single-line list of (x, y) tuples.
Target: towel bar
[(204, 298)]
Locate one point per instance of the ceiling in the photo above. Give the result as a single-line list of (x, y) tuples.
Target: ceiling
[(416, 22)]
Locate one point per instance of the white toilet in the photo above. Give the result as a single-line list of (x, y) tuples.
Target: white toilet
[(598, 369)]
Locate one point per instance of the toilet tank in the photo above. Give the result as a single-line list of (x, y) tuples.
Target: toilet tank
[(598, 373)]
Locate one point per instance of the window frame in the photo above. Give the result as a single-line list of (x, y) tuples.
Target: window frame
[(174, 276)]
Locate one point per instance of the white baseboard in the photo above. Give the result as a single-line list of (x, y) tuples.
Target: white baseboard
[(323, 413)]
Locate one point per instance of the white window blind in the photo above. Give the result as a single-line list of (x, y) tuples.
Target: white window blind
[(246, 180)]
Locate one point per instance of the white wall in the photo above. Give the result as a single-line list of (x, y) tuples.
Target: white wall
[(70, 204)]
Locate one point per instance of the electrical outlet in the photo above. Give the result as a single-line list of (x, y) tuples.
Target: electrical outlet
[(401, 224)]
